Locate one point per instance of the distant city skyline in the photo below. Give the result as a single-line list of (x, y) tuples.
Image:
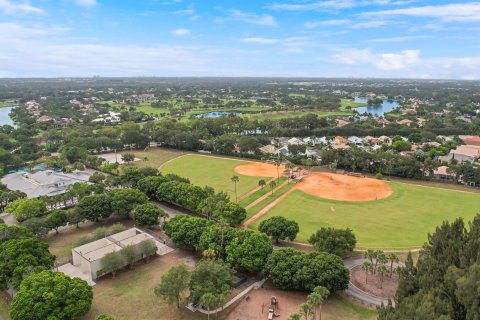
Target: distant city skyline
[(290, 38)]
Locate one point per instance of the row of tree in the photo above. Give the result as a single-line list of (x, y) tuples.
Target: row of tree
[(202, 201)]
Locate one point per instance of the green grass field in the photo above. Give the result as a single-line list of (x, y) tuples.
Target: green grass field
[(260, 192), (154, 157), (398, 222), (271, 197), (347, 102), (212, 171)]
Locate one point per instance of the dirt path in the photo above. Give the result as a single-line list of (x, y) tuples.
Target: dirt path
[(253, 191), (265, 196), (267, 208)]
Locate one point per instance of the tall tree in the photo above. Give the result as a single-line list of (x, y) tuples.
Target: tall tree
[(336, 241), (51, 295), (317, 297), (279, 228), (235, 179), (173, 284)]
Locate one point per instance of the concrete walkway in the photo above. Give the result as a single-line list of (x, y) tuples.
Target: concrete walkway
[(356, 293), (254, 286)]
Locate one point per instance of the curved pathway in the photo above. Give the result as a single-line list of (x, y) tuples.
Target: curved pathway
[(358, 294)]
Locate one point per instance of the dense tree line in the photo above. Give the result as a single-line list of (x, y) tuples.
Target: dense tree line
[(444, 284), (292, 269), (246, 250)]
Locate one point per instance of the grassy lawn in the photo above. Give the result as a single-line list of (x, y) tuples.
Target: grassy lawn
[(260, 192), (155, 157), (212, 171), (347, 102), (262, 204), (130, 294), (399, 221), (342, 308)]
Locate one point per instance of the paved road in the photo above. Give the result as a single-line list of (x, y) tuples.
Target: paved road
[(358, 294)]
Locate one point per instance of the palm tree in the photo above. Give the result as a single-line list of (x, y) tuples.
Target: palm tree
[(272, 185), (235, 179), (289, 167), (392, 257), (370, 255), (382, 272), (262, 183), (366, 266), (316, 299), (277, 164), (210, 300), (306, 310)]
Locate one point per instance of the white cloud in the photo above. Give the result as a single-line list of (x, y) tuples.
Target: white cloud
[(381, 61), (335, 22), (368, 24), (459, 12), (14, 31), (259, 40), (332, 4), (396, 39), (9, 7), (86, 3), (184, 12), (180, 32), (252, 18)]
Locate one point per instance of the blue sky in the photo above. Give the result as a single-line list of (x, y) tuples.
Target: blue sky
[(329, 38)]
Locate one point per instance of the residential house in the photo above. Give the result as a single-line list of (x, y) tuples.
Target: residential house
[(405, 122), (463, 153), (356, 141), (340, 140), (441, 173)]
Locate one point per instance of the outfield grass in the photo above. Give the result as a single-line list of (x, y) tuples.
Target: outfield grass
[(398, 222), (272, 197), (154, 157), (212, 171)]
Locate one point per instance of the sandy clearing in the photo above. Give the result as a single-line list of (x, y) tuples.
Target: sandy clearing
[(259, 169)]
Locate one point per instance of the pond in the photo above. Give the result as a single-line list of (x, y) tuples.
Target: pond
[(5, 118), (379, 111), (216, 114)]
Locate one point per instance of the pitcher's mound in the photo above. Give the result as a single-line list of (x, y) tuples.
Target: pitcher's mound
[(259, 169), (343, 187)]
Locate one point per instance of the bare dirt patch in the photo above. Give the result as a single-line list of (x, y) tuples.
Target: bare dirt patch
[(345, 188), (259, 169), (251, 308), (388, 289)]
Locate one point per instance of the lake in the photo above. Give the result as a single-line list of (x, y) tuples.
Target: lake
[(5, 118), (216, 114), (379, 111)]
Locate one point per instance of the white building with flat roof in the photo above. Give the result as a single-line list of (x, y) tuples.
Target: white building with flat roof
[(87, 258)]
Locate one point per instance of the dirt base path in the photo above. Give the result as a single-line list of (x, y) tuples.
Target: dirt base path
[(249, 193), (265, 195), (266, 208)]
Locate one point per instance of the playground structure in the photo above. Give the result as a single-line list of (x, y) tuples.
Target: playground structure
[(273, 308)]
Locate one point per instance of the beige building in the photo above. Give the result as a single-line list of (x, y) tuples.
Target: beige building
[(87, 258)]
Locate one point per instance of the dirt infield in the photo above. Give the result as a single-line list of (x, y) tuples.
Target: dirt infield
[(345, 188), (326, 185), (259, 169)]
